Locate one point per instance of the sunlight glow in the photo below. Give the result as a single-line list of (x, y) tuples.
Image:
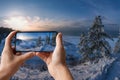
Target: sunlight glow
[(27, 23), (23, 37), (17, 22)]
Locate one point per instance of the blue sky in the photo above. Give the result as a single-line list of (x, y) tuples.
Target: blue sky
[(59, 9), (70, 13)]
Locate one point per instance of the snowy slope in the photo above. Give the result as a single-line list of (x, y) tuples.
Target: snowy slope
[(91, 71), (105, 69), (86, 71), (72, 39), (114, 70), (71, 50), (112, 43)]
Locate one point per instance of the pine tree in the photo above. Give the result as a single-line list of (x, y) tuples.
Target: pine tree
[(4, 32), (47, 40), (53, 39), (117, 45), (39, 42), (94, 45), (83, 45)]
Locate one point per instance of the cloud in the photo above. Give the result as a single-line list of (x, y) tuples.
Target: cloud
[(36, 23), (69, 27), (26, 22)]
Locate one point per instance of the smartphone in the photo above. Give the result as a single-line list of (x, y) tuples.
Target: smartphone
[(38, 41)]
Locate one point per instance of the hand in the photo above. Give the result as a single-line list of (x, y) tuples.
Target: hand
[(10, 60), (56, 61)]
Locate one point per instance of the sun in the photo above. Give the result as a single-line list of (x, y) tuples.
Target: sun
[(17, 22), (23, 36)]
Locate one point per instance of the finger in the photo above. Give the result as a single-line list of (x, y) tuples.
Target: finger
[(18, 54), (9, 38), (43, 55), (37, 53), (59, 49), (59, 42), (27, 56), (13, 48), (14, 51)]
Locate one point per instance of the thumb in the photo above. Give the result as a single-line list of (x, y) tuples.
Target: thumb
[(27, 56), (59, 42), (59, 49)]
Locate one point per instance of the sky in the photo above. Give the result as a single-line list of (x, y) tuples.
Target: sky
[(57, 14), (35, 35)]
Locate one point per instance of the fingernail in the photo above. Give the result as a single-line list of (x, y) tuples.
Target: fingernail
[(60, 34)]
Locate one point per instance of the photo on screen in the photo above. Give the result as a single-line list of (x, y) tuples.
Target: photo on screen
[(35, 41)]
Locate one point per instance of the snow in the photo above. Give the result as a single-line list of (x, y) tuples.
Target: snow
[(114, 71), (104, 69), (72, 39), (32, 45), (90, 71), (86, 71), (112, 43)]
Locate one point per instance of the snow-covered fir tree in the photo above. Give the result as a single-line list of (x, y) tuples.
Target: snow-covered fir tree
[(83, 45), (94, 44), (117, 44), (39, 41), (53, 39), (47, 41), (4, 32)]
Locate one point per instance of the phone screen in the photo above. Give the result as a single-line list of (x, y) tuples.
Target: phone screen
[(44, 41)]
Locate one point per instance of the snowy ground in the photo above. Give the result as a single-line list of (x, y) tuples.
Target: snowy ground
[(113, 72), (32, 45), (105, 69)]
